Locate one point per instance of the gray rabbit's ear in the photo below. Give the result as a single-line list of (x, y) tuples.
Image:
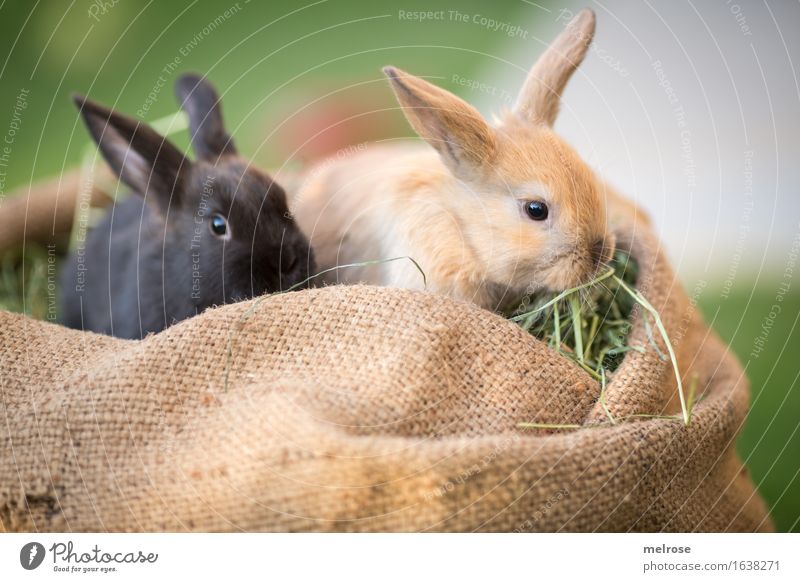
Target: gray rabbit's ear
[(452, 126), (200, 101), (140, 157), (540, 96)]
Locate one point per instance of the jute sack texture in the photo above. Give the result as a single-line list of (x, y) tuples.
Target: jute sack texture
[(367, 409)]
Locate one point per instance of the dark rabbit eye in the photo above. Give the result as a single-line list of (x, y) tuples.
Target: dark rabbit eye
[(219, 226), (536, 210)]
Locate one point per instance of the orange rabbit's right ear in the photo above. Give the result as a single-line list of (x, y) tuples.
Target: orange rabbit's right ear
[(540, 96), (451, 125)]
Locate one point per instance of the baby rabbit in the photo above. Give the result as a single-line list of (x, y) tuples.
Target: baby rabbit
[(191, 235), (490, 213)]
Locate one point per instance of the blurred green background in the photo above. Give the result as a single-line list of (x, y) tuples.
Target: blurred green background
[(288, 69)]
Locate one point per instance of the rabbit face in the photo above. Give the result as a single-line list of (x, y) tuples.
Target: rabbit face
[(241, 239), (227, 232), (546, 212), (530, 209)]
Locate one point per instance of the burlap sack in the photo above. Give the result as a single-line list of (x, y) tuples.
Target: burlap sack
[(365, 409)]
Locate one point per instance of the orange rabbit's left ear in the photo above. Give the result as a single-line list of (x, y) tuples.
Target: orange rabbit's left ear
[(540, 96)]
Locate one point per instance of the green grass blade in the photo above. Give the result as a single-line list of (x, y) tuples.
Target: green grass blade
[(563, 294), (639, 298)]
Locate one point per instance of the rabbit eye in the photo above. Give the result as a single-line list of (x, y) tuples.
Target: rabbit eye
[(536, 209), (219, 226)]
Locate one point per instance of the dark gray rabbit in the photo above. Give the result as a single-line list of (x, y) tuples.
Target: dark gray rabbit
[(191, 235)]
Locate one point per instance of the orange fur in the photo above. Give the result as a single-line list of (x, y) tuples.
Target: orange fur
[(458, 209)]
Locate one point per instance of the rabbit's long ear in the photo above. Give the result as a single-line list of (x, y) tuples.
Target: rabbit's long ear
[(200, 101), (540, 96), (142, 158), (453, 127)]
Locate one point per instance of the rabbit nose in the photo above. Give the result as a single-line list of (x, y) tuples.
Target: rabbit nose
[(601, 251)]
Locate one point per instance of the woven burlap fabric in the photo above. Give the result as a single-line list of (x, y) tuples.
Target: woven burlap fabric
[(366, 409)]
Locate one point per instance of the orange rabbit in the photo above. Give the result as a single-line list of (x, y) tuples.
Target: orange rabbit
[(490, 213)]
